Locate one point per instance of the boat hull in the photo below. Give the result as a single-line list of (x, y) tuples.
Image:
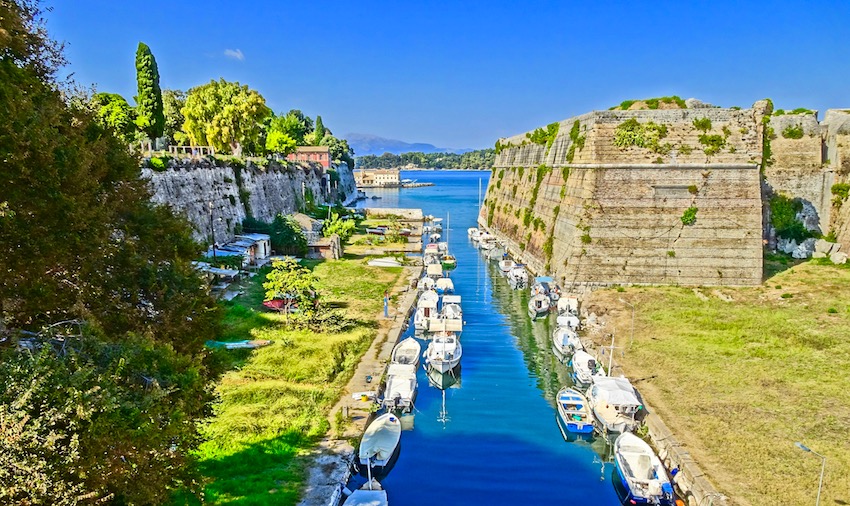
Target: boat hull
[(444, 366)]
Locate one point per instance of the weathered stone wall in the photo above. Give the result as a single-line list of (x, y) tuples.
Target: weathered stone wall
[(590, 212), (189, 186), (837, 124), (797, 166)]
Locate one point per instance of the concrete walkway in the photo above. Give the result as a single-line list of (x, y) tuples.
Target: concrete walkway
[(329, 461)]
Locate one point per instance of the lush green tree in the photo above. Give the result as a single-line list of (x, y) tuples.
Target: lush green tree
[(339, 149), (79, 238), (294, 124), (149, 110), (286, 234), (225, 115), (115, 113), (292, 283), (279, 142), (343, 228), (89, 420), (318, 132), (172, 104)]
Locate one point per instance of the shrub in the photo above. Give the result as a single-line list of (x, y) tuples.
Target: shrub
[(692, 189), (685, 149), (793, 132), (671, 254), (713, 143), (783, 217), (841, 190), (585, 238), (703, 124), (689, 217)]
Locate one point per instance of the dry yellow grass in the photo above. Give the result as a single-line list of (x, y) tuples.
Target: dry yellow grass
[(740, 381)]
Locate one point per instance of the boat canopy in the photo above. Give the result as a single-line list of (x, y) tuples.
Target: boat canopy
[(544, 279), (402, 370), (381, 438), (617, 391), (435, 270), (451, 299)]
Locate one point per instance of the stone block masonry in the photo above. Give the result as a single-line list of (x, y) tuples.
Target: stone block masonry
[(189, 186), (679, 205)]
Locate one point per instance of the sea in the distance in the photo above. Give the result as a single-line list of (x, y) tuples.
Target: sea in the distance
[(494, 439)]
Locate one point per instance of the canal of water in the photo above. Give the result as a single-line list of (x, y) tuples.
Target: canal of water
[(492, 437)]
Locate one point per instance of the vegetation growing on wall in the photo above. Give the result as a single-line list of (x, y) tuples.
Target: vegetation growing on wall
[(576, 141), (642, 135), (841, 192), (713, 143), (767, 135), (544, 136), (702, 124), (793, 132), (799, 110), (689, 217), (651, 103)]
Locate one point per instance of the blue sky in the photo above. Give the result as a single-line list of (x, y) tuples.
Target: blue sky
[(462, 74)]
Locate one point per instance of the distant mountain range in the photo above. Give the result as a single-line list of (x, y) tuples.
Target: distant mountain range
[(366, 144)]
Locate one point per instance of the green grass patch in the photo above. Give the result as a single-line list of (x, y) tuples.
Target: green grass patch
[(739, 382), (275, 401)]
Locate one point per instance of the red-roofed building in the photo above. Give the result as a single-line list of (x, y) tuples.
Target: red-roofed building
[(320, 154)]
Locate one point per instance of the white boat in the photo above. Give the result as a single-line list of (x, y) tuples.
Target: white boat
[(426, 309), (444, 352), (486, 241), (451, 310), (445, 285), (370, 494), (400, 391), (473, 233), (430, 258), (538, 306), (643, 475), (443, 247), (568, 315), (496, 253), (434, 271), (505, 265), (407, 351), (542, 286), (434, 238), (614, 404), (574, 411), (428, 298), (585, 369), (518, 277), (566, 341), (424, 284), (380, 441)]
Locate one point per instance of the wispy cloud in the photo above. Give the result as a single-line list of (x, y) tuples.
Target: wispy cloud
[(234, 54)]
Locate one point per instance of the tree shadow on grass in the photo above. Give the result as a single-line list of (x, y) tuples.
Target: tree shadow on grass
[(774, 263), (260, 473)]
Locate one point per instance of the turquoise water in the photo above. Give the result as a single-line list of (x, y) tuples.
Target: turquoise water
[(497, 441)]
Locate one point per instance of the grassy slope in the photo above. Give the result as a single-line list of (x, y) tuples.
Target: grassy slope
[(739, 382), (275, 401)]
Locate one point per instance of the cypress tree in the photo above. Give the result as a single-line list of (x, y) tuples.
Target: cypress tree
[(149, 112), (319, 132)]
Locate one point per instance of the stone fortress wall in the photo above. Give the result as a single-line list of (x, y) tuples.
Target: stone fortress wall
[(589, 211), (188, 186)]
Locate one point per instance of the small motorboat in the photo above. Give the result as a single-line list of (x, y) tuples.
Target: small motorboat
[(430, 258), (505, 265), (380, 441), (444, 352), (538, 306), (566, 341), (434, 271), (518, 277), (568, 315), (614, 403), (407, 351), (444, 285), (574, 411), (451, 308), (425, 284), (473, 233), (496, 253), (585, 369), (400, 391), (643, 475), (370, 494), (542, 285), (434, 238), (426, 309)]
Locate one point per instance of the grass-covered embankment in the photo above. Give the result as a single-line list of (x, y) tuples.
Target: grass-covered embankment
[(276, 400), (739, 382)]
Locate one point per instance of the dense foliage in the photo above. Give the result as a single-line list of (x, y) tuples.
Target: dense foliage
[(225, 115), (172, 104), (149, 113), (343, 228), (286, 234), (482, 159), (293, 284), (783, 217), (115, 113), (110, 415)]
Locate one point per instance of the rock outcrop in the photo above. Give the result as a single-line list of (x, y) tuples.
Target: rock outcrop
[(222, 194)]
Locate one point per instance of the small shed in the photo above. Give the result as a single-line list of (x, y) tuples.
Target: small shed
[(328, 248)]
